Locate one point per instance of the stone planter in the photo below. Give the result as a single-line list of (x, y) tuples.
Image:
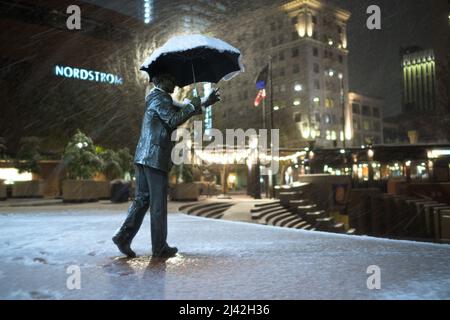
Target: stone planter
[(2, 191), (28, 189), (104, 190), (185, 192), (83, 190), (208, 188)]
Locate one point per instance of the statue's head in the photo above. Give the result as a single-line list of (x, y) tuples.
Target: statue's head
[(164, 81)]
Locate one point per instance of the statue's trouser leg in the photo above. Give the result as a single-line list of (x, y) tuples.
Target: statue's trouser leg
[(158, 184), (138, 208)]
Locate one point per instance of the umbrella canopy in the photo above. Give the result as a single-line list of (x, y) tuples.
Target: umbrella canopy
[(195, 58)]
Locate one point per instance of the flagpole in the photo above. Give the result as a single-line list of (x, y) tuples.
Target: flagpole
[(272, 176)]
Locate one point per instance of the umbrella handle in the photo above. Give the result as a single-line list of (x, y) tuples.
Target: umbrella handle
[(195, 83)]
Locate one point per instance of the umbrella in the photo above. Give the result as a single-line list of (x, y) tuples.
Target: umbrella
[(195, 58)]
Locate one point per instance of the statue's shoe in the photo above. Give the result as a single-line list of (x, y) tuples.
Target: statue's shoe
[(124, 247)]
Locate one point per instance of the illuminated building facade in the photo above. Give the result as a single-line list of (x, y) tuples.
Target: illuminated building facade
[(419, 81), (367, 119), (306, 42)]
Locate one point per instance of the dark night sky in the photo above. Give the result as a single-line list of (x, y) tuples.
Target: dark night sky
[(374, 61)]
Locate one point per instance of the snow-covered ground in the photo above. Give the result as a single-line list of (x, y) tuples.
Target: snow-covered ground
[(218, 260)]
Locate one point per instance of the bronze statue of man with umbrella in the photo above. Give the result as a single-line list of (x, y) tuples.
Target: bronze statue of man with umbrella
[(182, 61)]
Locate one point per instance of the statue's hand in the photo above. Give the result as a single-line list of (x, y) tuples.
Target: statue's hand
[(213, 97), (196, 102)]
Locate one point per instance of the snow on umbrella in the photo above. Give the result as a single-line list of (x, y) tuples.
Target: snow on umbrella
[(195, 58)]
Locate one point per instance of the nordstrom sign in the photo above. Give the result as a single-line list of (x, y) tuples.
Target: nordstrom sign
[(89, 75)]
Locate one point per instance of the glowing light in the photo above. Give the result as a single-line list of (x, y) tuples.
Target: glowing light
[(298, 87), (296, 102), (433, 154), (10, 175)]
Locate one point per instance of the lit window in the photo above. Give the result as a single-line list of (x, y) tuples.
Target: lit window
[(366, 125), (298, 87), (297, 102), (329, 103), (316, 101), (333, 135)]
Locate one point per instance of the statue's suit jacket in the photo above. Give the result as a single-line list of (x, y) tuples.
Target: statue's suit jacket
[(161, 118)]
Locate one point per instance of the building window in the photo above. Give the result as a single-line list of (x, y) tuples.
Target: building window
[(314, 19), (328, 135), (316, 68), (281, 56), (376, 112), (327, 118), (366, 111), (298, 87), (329, 103), (341, 59), (366, 125), (282, 72), (281, 39), (339, 29), (355, 125), (333, 119), (317, 84), (333, 135), (283, 88), (376, 126), (294, 52), (317, 116), (297, 102), (316, 102), (315, 52), (296, 68), (355, 108), (297, 117)]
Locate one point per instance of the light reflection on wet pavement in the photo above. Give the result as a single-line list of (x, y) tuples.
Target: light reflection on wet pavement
[(217, 260)]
